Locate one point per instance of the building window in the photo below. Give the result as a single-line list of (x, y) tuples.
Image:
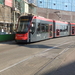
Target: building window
[(54, 4), (65, 5), (40, 1)]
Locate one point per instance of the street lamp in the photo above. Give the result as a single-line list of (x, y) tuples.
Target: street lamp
[(47, 10)]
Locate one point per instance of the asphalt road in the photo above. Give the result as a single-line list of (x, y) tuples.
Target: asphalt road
[(39, 58)]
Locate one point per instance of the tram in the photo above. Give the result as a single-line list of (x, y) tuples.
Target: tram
[(72, 28), (61, 29), (35, 28)]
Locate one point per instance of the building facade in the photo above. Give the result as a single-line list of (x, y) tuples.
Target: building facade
[(53, 14), (32, 6), (6, 20), (5, 17), (66, 5), (63, 10), (24, 7), (20, 7), (11, 10)]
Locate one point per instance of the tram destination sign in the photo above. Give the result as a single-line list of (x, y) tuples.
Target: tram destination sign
[(26, 18)]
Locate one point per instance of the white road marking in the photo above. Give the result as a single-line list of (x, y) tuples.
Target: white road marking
[(55, 46), (64, 50), (33, 56), (16, 63)]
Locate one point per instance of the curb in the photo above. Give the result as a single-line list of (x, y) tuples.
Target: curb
[(5, 43)]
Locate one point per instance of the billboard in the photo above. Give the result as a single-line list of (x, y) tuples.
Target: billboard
[(8, 3)]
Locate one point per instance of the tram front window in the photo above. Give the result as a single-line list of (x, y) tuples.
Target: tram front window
[(23, 27)]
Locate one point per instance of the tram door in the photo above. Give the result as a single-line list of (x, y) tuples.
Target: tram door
[(50, 31), (73, 30), (57, 32)]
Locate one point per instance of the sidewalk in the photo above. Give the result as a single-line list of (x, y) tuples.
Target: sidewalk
[(62, 65)]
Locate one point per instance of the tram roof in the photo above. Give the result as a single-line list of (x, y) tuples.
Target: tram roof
[(42, 18), (60, 22), (73, 23)]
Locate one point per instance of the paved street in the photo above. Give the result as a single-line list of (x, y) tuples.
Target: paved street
[(50, 57)]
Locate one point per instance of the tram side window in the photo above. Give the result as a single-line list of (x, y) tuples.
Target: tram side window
[(46, 28), (42, 28), (38, 28), (50, 27), (63, 28)]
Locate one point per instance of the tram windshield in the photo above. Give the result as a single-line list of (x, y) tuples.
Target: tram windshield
[(24, 23), (23, 26)]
